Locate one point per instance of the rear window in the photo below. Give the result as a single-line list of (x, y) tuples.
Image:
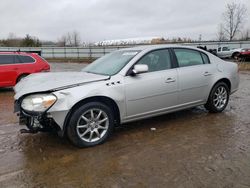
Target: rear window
[(7, 59), (205, 58), (188, 57), (26, 59)]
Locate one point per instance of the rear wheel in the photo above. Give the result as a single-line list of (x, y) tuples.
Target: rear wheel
[(90, 125), (218, 98)]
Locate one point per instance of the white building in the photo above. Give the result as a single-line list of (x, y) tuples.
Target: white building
[(129, 41)]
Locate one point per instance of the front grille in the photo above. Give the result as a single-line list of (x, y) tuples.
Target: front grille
[(17, 106)]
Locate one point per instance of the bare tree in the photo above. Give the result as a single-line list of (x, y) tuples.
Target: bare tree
[(70, 39), (246, 35), (221, 33), (76, 38), (12, 40), (233, 19), (62, 42)]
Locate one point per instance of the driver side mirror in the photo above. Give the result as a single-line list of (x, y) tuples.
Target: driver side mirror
[(138, 69)]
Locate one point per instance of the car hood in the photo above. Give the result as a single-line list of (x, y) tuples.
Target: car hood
[(42, 82), (237, 50)]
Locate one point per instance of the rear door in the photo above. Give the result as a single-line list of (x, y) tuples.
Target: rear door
[(194, 74), (25, 64)]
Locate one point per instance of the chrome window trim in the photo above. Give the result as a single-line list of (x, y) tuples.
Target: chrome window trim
[(200, 52), (150, 51)]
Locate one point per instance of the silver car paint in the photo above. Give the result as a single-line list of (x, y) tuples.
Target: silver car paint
[(40, 82), (148, 92), (138, 97)]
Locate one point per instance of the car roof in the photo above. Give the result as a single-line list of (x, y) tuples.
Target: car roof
[(158, 46), (20, 53)]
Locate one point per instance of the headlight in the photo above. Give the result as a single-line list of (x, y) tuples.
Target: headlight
[(38, 102)]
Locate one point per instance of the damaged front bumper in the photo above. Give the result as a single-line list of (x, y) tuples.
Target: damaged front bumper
[(35, 122)]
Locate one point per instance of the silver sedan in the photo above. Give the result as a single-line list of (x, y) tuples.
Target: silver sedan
[(123, 86)]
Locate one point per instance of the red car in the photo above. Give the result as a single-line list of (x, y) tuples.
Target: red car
[(16, 65), (244, 55)]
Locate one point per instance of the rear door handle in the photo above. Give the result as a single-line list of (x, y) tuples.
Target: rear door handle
[(169, 80), (207, 73)]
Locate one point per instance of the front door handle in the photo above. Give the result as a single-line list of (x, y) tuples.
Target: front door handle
[(169, 80), (207, 73)]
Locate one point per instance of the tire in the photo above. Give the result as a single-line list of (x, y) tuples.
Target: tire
[(87, 126), (235, 56), (21, 77), (218, 98)]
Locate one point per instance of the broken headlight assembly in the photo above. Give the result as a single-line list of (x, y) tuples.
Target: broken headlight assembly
[(38, 103)]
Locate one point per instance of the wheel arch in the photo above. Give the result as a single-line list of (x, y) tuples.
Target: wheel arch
[(235, 53), (103, 99), (208, 104), (20, 75), (226, 81)]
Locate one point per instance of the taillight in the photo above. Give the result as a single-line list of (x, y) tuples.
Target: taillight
[(46, 69)]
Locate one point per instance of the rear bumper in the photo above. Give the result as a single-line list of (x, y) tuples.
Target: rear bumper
[(235, 84)]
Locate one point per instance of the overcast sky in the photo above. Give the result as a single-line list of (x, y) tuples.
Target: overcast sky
[(97, 20)]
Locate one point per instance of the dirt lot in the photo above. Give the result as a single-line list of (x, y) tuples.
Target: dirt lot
[(191, 148)]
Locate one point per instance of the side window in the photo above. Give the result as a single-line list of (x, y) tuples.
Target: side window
[(26, 59), (156, 60), (17, 59), (205, 58), (225, 49), (7, 59), (187, 57)]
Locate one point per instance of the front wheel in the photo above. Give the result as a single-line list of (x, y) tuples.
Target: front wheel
[(90, 124), (218, 98)]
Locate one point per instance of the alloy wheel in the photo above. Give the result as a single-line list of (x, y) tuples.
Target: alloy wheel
[(220, 97), (92, 125)]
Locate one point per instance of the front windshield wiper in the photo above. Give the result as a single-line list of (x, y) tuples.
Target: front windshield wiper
[(96, 73)]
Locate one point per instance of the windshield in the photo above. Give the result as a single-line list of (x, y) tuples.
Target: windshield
[(112, 63)]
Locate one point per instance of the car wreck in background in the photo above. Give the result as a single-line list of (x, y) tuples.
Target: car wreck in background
[(224, 52), (14, 66), (227, 52), (244, 55)]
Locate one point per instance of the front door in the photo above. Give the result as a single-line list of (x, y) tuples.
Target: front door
[(154, 91)]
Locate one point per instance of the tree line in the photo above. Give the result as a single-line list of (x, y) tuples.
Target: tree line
[(71, 39), (27, 41)]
